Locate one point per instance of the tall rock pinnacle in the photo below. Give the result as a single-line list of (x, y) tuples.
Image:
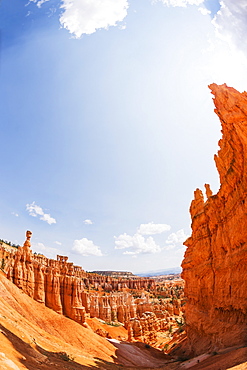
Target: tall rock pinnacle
[(214, 266)]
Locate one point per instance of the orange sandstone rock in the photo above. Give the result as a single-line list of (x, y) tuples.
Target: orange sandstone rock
[(214, 266), (69, 290)]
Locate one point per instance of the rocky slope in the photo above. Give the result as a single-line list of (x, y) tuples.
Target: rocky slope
[(35, 337), (214, 267), (33, 331)]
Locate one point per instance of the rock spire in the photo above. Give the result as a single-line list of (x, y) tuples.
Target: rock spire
[(214, 266)]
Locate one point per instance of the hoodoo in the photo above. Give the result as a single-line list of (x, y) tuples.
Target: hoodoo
[(81, 296), (214, 266)]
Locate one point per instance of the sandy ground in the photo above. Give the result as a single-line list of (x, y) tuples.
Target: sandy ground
[(109, 331)]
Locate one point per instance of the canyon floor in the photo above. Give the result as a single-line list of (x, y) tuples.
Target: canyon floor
[(34, 337)]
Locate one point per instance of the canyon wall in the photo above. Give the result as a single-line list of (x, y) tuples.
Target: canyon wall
[(69, 290), (147, 309), (214, 266)]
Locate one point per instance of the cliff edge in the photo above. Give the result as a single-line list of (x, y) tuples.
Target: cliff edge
[(214, 266)]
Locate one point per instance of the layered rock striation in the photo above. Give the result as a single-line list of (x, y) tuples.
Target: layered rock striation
[(214, 266), (139, 304), (68, 289)]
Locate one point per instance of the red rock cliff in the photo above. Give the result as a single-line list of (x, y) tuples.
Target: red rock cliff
[(68, 289), (215, 262)]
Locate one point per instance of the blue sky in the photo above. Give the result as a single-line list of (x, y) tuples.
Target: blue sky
[(107, 123)]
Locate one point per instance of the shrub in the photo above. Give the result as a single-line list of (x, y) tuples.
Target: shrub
[(64, 356), (2, 264), (112, 324)]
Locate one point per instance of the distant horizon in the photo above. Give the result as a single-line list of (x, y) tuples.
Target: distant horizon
[(143, 272)]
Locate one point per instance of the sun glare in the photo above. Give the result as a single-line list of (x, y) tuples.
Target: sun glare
[(228, 66)]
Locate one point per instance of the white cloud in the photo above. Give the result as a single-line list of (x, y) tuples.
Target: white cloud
[(176, 239), (15, 214), (169, 247), (129, 253), (122, 27), (41, 2), (152, 229), (47, 218), (204, 11), (58, 243), (88, 222), (137, 243), (123, 241), (180, 3), (86, 247), (181, 250), (35, 210), (46, 251), (231, 23), (86, 16)]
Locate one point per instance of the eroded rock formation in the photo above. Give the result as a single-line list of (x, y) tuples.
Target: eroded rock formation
[(69, 290), (147, 308), (118, 284), (146, 327), (214, 267), (152, 317)]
